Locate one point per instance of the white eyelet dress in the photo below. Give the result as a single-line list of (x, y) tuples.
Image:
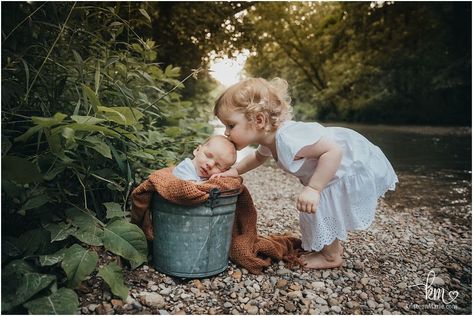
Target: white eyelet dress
[(349, 200)]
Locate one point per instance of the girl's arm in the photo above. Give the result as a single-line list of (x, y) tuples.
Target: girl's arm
[(329, 155), (248, 163)]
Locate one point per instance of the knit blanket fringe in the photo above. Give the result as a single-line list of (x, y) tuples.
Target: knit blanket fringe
[(247, 249)]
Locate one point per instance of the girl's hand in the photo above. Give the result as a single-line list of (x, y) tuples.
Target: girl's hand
[(308, 200), (232, 172)]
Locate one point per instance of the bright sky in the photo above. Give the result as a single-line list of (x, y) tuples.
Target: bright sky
[(228, 70)]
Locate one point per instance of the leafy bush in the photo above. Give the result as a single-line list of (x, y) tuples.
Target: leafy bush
[(87, 112)]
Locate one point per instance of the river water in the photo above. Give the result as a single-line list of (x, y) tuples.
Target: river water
[(433, 165)]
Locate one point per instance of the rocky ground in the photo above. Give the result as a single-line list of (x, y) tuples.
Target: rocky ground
[(409, 239)]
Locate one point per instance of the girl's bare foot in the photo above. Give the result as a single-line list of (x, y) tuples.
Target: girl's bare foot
[(330, 257)]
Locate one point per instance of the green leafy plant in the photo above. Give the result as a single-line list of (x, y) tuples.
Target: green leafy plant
[(87, 112)]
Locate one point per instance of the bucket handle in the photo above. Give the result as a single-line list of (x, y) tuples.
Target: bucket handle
[(215, 194)]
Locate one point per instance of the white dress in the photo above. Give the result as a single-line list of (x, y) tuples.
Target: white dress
[(349, 200)]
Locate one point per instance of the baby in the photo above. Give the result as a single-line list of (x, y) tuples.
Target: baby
[(216, 155)]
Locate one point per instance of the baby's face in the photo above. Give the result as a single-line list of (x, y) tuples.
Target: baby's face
[(216, 156)]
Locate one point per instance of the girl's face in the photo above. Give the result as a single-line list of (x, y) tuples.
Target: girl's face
[(238, 129)]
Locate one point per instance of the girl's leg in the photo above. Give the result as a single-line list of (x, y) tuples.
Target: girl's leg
[(329, 257)]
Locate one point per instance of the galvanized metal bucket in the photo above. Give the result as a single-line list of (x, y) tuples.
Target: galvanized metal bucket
[(193, 241)]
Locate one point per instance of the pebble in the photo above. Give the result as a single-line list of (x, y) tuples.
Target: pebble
[(236, 275), (289, 306), (372, 304), (294, 294), (402, 285), (281, 283), (92, 307), (116, 302), (283, 272), (251, 309), (437, 281), (318, 285), (336, 309), (153, 300)]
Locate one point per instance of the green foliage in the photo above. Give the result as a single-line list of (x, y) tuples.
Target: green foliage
[(78, 263), (111, 273), (126, 240), (62, 302), (362, 61), (87, 112)]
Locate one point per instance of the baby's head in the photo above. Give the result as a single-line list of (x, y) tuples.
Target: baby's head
[(254, 96), (217, 154)]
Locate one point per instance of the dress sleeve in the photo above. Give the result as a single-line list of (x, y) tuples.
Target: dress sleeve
[(295, 137), (264, 151)]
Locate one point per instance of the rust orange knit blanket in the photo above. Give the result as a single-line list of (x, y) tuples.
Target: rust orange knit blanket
[(247, 249)]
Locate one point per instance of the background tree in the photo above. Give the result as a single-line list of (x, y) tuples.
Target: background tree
[(397, 62)]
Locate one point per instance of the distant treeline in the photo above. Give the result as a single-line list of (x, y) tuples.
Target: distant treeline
[(406, 62)]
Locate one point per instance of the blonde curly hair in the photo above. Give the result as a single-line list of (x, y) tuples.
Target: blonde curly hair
[(257, 95)]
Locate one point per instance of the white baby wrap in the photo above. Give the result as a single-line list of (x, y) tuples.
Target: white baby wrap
[(349, 200)]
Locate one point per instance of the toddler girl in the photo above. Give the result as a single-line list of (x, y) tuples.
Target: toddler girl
[(342, 172)]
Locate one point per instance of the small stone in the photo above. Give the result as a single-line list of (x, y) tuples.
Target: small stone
[(163, 312), (437, 281), (154, 288), (92, 307), (358, 265), (363, 296), (84, 310), (281, 283), (117, 302), (185, 296), (321, 301), (336, 309), (251, 309), (227, 305), (402, 285), (106, 296), (104, 309), (198, 284), (283, 272), (318, 285), (236, 275), (364, 281), (324, 309), (346, 290), (165, 291), (212, 311), (294, 294), (153, 300), (289, 306), (378, 290), (333, 302), (372, 304), (243, 300), (295, 287)]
